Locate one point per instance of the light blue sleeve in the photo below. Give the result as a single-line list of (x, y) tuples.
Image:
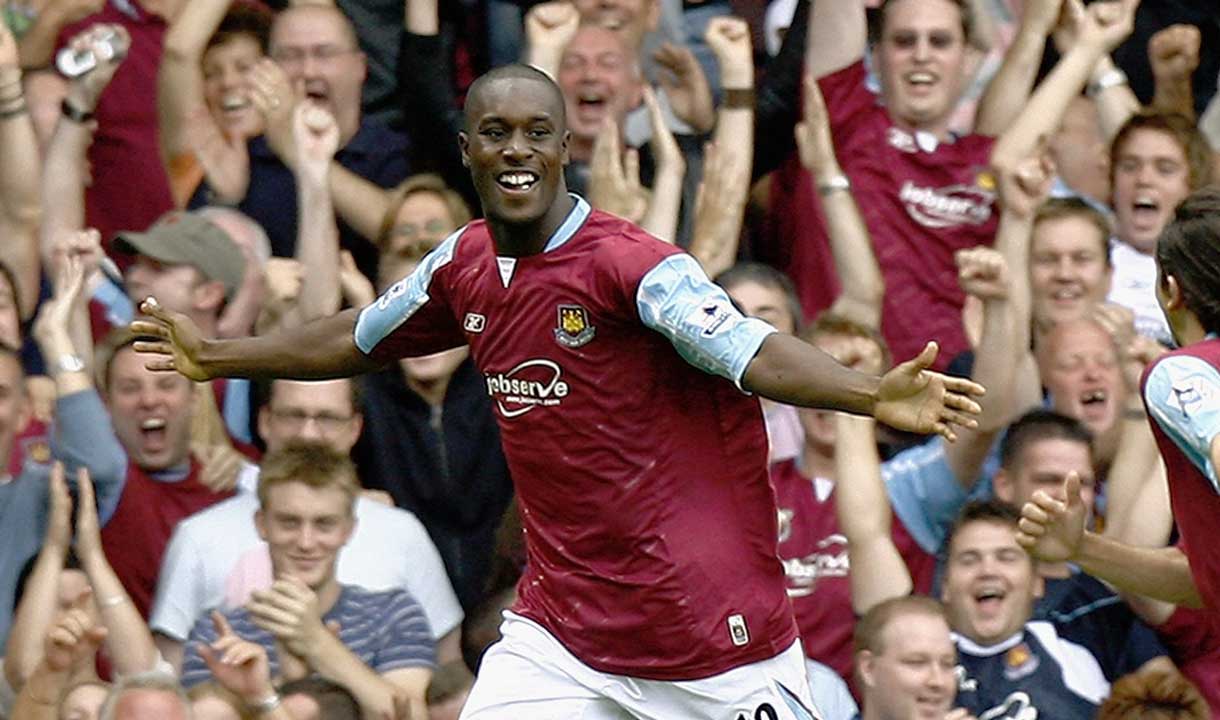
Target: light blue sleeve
[(829, 692), (677, 299), (84, 437), (1183, 397), (403, 299), (924, 492)]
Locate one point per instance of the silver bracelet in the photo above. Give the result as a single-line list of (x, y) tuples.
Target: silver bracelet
[(1110, 78), (267, 704), (833, 185)]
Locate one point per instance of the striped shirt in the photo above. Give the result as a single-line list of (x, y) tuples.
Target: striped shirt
[(387, 630)]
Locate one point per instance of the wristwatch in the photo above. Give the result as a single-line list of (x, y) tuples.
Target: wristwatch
[(69, 363)]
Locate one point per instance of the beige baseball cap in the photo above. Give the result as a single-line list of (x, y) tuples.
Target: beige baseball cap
[(186, 238)]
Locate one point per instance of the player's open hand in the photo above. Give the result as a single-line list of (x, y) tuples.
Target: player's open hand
[(176, 342), (1051, 529), (912, 397)]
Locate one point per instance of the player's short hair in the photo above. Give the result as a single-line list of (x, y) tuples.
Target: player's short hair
[(1154, 695), (335, 702), (1189, 250), (518, 71), (1036, 426), (829, 323), (156, 681), (459, 211), (313, 464), (870, 630), (1066, 207), (1184, 132), (992, 511), (766, 276), (969, 23), (244, 19)]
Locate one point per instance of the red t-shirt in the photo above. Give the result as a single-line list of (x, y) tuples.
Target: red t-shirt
[(135, 536), (649, 518), (814, 553), (921, 200), (129, 188)]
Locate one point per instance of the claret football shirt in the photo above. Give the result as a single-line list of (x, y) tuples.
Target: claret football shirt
[(613, 363)]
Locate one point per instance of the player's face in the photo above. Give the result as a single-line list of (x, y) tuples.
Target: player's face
[(1044, 465), (765, 303), (151, 411), (924, 62), (990, 583), (421, 224), (516, 148), (311, 412), (912, 678), (599, 81), (304, 528), (1068, 272), (226, 85), (1151, 177), (1081, 370)]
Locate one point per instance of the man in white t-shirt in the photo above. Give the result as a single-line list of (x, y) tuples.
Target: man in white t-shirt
[(215, 558)]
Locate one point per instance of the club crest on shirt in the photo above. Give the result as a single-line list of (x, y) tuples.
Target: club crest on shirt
[(38, 450), (1019, 662), (573, 328), (1190, 394)]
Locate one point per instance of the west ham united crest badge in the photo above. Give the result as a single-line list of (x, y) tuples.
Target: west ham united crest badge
[(574, 329)]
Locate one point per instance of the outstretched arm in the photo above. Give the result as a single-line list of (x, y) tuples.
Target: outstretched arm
[(838, 35), (850, 242), (1102, 26), (1009, 89), (324, 348), (909, 397), (20, 206)]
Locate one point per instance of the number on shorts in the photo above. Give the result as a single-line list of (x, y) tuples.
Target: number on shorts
[(766, 712)]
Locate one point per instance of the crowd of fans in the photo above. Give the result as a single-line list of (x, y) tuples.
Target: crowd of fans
[(990, 174)]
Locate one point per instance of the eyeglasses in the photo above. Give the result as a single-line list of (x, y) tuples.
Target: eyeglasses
[(297, 419), (295, 56)]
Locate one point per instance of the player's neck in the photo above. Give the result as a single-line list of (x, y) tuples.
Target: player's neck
[(520, 240), (938, 129)]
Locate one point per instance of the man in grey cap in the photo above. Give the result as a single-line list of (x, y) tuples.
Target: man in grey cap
[(188, 262)]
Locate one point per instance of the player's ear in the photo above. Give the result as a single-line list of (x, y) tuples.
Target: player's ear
[(1173, 293), (565, 151), (464, 146)]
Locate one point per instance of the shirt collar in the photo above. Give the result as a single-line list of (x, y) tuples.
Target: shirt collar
[(576, 217)]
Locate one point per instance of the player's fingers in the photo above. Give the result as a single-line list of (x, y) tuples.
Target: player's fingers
[(959, 419), (945, 431), (1035, 514), (164, 365), (963, 386), (961, 402), (145, 328)]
